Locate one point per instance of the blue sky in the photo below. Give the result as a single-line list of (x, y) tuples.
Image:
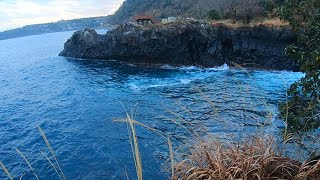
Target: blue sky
[(17, 13)]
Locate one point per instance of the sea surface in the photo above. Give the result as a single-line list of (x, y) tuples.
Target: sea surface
[(76, 102)]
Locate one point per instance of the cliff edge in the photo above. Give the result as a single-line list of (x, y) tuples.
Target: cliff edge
[(186, 42)]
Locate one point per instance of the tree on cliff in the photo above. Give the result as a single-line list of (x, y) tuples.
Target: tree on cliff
[(302, 111), (245, 10)]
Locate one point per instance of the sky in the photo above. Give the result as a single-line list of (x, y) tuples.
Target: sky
[(17, 13)]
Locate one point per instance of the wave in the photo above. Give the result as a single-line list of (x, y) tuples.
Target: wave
[(190, 68), (138, 86), (167, 66), (184, 76), (225, 66)]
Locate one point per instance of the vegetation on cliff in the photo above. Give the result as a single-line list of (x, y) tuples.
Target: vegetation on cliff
[(238, 10), (302, 111)]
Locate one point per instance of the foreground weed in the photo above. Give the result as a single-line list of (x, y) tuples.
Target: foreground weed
[(6, 170), (135, 147), (26, 160), (51, 151), (250, 160), (52, 165)]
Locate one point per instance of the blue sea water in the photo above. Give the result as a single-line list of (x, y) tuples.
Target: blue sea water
[(75, 102)]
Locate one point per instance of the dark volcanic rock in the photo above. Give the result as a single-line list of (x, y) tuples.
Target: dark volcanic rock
[(186, 43)]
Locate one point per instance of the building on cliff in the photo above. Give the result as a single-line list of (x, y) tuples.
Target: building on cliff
[(169, 20), (144, 20)]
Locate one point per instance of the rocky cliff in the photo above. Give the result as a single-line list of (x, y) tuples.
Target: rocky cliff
[(186, 43)]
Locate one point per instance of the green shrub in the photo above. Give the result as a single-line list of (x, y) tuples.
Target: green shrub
[(303, 109), (268, 5), (214, 15)]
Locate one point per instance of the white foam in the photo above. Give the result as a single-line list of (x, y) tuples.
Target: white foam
[(189, 68), (167, 66), (225, 66), (134, 87), (131, 65), (185, 81), (188, 75)]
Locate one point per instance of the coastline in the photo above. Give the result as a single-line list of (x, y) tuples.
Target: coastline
[(191, 43)]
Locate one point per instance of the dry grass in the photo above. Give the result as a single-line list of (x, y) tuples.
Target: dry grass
[(52, 165), (135, 146), (6, 170), (275, 22), (59, 173), (254, 159), (227, 23), (26, 160)]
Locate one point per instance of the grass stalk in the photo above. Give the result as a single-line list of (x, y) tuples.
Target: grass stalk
[(26, 160), (130, 121), (21, 177), (171, 158), (135, 146), (254, 159), (51, 151), (142, 125), (55, 169), (6, 170)]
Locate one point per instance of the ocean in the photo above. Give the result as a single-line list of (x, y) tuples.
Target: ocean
[(76, 102)]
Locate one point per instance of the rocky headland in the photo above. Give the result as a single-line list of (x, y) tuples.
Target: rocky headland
[(187, 43)]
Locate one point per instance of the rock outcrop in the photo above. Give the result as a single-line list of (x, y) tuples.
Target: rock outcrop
[(186, 43)]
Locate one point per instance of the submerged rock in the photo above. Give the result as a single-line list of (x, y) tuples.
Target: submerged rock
[(186, 43)]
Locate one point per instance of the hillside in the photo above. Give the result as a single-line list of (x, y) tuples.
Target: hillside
[(157, 8), (201, 9), (236, 10)]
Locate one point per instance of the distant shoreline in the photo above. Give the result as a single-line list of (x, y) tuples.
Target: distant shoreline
[(59, 26)]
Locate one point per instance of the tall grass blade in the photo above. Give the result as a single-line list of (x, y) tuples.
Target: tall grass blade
[(35, 175), (130, 120), (55, 169), (51, 150), (125, 174), (143, 125), (171, 158), (21, 177), (135, 146), (157, 132), (6, 170), (26, 160)]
